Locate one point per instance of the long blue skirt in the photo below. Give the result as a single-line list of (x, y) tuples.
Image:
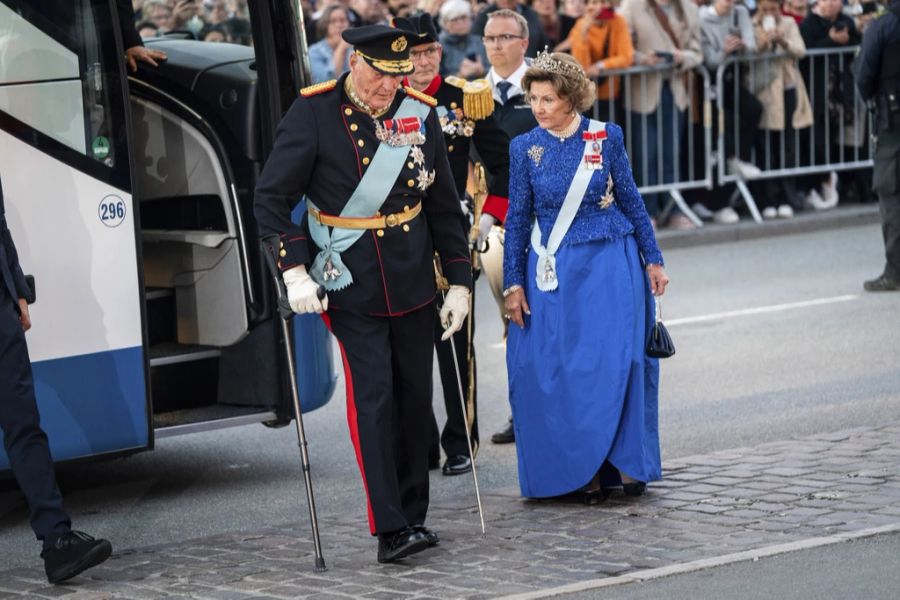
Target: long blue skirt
[(582, 389)]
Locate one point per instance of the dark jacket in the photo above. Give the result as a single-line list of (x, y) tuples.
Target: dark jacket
[(536, 38), (816, 69), (130, 37), (491, 142), (876, 76), (14, 282), (322, 148)]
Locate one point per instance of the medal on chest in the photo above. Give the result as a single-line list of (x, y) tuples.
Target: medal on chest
[(593, 155), (407, 131), (456, 123)]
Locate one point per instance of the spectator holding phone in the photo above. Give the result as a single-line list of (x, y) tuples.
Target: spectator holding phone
[(665, 33), (556, 25), (463, 53), (600, 41), (833, 94), (782, 94)]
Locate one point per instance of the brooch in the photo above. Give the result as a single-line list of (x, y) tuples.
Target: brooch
[(425, 179), (535, 153), (400, 132), (608, 198)]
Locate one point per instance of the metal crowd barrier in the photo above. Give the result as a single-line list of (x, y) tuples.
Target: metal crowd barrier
[(837, 140), (694, 143)]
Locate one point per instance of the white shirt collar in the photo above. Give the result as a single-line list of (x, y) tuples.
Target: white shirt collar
[(515, 79)]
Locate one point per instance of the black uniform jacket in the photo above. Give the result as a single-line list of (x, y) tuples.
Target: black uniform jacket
[(13, 279), (323, 146), (876, 76), (130, 37), (490, 141)]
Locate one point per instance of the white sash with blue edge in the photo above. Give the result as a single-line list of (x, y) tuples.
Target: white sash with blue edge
[(369, 196), (546, 263)]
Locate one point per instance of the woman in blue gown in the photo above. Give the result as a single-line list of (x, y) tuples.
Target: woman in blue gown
[(579, 286)]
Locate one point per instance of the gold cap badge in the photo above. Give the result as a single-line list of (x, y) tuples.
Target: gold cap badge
[(399, 44)]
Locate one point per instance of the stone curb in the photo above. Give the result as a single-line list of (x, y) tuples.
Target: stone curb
[(839, 218)]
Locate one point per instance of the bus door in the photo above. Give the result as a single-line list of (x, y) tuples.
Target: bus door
[(65, 171), (203, 122)]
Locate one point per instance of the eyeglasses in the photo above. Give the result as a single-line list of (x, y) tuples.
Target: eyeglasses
[(427, 53), (503, 38)]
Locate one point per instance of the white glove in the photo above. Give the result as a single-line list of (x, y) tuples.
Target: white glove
[(454, 310), (464, 207), (484, 229), (302, 290)]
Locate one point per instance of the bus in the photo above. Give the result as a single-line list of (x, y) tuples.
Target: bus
[(129, 196)]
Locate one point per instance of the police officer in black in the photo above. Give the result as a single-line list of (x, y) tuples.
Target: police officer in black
[(464, 111), (66, 553), (370, 158), (877, 73)]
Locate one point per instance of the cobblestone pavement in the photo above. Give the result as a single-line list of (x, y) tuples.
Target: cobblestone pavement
[(707, 506)]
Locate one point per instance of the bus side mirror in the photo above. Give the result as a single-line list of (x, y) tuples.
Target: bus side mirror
[(32, 291)]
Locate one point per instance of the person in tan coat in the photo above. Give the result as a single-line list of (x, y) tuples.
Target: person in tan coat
[(779, 87), (666, 36)]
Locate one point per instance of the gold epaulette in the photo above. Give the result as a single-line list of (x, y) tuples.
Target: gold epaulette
[(478, 99), (318, 88), (457, 82), (420, 96)]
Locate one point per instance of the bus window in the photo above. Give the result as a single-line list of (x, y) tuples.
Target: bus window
[(223, 21), (57, 71)]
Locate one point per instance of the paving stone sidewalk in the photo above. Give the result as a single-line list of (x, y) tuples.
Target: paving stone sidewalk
[(707, 506)]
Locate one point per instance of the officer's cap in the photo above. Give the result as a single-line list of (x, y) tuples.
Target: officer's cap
[(421, 29), (384, 48)]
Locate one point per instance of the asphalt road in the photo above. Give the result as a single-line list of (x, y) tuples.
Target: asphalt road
[(737, 380)]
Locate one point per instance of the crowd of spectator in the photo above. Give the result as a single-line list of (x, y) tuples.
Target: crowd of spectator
[(766, 110)]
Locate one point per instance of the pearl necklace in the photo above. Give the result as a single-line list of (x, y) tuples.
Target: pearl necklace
[(567, 131)]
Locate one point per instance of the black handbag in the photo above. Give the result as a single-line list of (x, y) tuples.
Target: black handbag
[(660, 343)]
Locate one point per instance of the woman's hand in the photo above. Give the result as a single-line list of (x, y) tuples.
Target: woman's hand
[(516, 307), (658, 279)]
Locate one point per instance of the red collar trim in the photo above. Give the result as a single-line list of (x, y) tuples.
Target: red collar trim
[(432, 88)]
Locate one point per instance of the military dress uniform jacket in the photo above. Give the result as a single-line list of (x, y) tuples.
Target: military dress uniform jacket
[(491, 142), (323, 147), (13, 282)]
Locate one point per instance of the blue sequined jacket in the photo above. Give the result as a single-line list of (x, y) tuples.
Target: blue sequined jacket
[(540, 170)]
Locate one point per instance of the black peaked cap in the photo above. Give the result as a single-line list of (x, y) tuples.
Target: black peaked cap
[(384, 48), (421, 28)]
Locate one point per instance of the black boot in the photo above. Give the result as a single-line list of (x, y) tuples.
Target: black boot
[(507, 435), (71, 553)]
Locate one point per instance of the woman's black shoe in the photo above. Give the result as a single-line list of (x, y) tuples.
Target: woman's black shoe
[(400, 544), (595, 496), (71, 553), (634, 489)]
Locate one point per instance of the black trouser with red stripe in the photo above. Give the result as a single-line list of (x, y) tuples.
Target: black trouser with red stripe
[(388, 366)]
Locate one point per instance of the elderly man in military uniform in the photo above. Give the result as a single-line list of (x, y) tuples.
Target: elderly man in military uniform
[(369, 157), (464, 110)]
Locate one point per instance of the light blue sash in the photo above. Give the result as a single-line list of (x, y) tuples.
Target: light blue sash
[(376, 184), (546, 264)]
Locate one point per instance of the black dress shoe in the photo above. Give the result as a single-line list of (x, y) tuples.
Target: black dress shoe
[(430, 536), (634, 489), (400, 544), (457, 465), (71, 553), (882, 283), (507, 435)]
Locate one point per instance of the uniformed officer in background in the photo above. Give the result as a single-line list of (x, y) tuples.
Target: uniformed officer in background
[(66, 552), (877, 73), (464, 110), (370, 158)]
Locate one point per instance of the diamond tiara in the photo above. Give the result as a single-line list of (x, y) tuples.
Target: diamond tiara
[(545, 62)]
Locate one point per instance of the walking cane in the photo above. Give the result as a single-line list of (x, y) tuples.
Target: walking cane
[(269, 248), (443, 286)]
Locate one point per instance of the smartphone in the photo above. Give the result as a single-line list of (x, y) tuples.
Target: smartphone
[(840, 27), (869, 7), (768, 23), (664, 56), (473, 56)]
